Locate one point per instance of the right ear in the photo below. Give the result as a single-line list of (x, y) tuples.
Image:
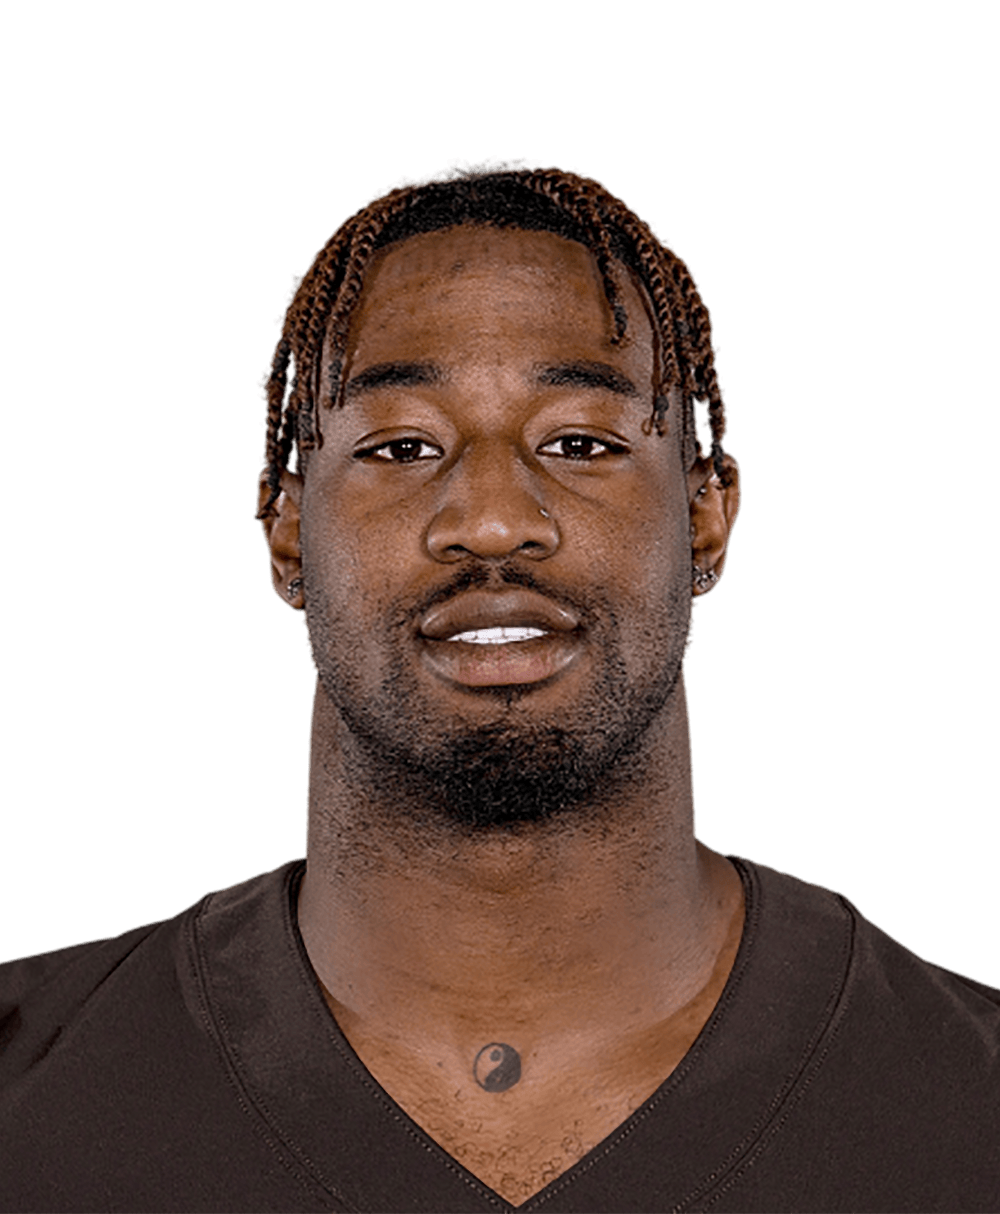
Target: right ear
[(281, 530)]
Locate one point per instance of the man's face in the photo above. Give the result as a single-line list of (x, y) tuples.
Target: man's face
[(490, 469)]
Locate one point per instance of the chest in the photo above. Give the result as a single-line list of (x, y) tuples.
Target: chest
[(519, 1128), (519, 1139), (518, 1153)]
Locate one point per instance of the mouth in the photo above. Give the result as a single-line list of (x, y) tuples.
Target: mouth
[(497, 639), (499, 657)]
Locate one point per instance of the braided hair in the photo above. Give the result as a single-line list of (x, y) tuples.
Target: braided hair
[(534, 200)]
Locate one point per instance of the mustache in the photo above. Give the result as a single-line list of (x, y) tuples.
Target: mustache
[(483, 576)]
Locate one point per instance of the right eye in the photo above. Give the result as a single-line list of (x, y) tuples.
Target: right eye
[(400, 451)]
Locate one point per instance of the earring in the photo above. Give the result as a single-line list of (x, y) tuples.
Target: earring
[(704, 579), (293, 589)]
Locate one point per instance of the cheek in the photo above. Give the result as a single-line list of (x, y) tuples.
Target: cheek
[(357, 554), (648, 540)]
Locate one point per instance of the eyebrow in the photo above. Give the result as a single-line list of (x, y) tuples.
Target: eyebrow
[(582, 373), (392, 375), (577, 373)]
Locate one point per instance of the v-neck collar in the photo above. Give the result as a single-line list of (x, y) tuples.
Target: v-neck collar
[(296, 1070)]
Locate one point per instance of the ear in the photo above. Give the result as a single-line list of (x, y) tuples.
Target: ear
[(281, 530), (713, 509)]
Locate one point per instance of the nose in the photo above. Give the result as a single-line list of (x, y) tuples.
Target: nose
[(491, 508)]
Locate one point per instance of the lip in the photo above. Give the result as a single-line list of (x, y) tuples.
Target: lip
[(502, 665), (496, 609)]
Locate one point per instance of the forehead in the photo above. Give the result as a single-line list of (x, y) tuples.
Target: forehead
[(506, 252), (466, 288)]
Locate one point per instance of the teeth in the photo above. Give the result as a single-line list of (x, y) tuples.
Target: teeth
[(497, 636)]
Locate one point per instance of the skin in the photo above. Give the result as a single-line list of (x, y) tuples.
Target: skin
[(595, 943)]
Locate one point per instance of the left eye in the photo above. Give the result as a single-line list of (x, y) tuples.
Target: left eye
[(581, 446)]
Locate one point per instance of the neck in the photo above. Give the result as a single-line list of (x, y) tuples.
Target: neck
[(414, 926)]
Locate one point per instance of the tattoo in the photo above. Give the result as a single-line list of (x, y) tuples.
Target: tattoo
[(497, 1067)]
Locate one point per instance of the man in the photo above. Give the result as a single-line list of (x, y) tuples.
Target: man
[(507, 975)]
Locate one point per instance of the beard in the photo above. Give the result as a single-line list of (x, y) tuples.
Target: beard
[(521, 766)]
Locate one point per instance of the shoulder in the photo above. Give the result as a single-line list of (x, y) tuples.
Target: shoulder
[(888, 999), (44, 997), (889, 1081), (18, 978), (60, 1001), (880, 973)]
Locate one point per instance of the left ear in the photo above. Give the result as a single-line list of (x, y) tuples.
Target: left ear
[(713, 509)]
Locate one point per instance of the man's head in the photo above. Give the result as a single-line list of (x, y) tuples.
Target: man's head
[(493, 394)]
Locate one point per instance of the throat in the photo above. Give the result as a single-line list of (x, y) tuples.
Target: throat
[(498, 1041)]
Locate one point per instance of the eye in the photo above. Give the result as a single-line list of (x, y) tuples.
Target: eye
[(582, 447), (400, 451), (409, 450)]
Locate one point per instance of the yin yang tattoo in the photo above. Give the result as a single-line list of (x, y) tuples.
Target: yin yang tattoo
[(497, 1067)]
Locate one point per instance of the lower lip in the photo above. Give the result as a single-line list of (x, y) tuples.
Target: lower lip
[(502, 665)]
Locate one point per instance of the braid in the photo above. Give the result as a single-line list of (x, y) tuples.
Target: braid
[(275, 402), (362, 247), (540, 199)]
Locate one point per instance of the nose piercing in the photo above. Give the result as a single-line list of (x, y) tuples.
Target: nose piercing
[(543, 512)]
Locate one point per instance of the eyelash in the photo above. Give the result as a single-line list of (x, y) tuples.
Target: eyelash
[(610, 448)]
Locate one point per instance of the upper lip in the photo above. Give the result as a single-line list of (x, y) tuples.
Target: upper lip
[(496, 609)]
